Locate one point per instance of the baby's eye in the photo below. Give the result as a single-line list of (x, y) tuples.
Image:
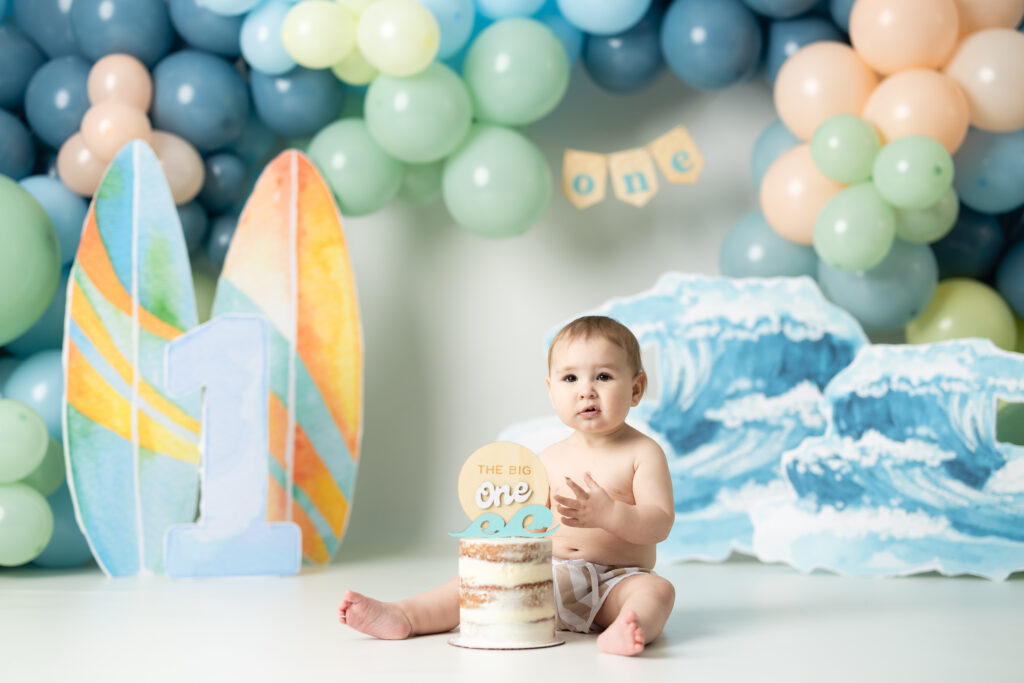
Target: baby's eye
[(603, 377), (569, 378)]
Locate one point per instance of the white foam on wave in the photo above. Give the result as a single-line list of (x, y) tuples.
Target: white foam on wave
[(804, 400)]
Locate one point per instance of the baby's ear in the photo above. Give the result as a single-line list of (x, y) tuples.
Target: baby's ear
[(639, 386)]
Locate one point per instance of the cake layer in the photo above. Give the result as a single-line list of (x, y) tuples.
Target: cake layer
[(484, 573), (506, 549), (526, 595), (522, 634)]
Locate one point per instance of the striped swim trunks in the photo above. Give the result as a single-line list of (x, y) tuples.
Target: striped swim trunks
[(581, 588)]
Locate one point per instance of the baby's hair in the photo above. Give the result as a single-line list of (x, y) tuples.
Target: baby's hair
[(603, 327)]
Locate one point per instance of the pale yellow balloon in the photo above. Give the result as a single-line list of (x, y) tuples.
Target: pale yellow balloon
[(318, 33), (109, 125), (892, 35), (77, 168), (793, 190), (962, 308), (356, 7), (976, 15), (919, 102), (989, 66), (398, 37), (354, 69), (181, 164), (819, 81), (120, 77)]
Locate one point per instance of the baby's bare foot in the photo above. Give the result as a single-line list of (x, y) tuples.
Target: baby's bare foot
[(623, 637), (372, 617)]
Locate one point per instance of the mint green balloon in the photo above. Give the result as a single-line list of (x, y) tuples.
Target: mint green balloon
[(497, 183), (419, 118), (361, 174), (49, 475), (26, 524), (23, 440), (930, 224), (421, 183), (29, 260), (855, 229), (844, 148), (913, 172), (517, 71)]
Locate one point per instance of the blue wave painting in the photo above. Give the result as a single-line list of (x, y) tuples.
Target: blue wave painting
[(909, 476)]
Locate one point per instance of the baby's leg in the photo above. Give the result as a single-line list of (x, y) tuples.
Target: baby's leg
[(634, 613), (434, 611)]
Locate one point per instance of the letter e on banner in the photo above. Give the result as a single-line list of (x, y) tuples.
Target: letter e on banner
[(584, 178), (677, 156), (633, 176)]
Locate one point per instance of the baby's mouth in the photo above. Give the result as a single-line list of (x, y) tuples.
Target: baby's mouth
[(590, 410)]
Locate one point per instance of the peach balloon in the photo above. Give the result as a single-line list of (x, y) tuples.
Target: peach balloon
[(120, 77), (77, 168), (181, 164), (919, 102), (819, 81), (976, 15), (989, 66), (110, 125), (892, 35), (793, 191)]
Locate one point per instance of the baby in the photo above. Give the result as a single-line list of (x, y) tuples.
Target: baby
[(611, 496)]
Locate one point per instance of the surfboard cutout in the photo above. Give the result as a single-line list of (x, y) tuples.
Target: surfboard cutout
[(132, 452), (288, 261)]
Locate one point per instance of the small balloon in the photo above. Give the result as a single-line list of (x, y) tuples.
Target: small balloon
[(971, 248), (181, 164), (110, 125), (989, 66), (17, 153), (354, 69), (792, 193), (231, 8), (65, 209), (504, 9), (770, 144), (204, 29), (976, 15), (893, 35), (48, 330), (48, 24), (913, 172), (930, 224), (123, 78), (57, 98), (964, 308), (24, 441), (298, 103), (786, 37), (454, 21), (204, 284), (627, 61), (752, 249), (226, 182), (262, 41), (26, 524), (21, 58), (363, 176), (855, 229), (49, 474), (38, 382), (77, 168), (141, 28), (570, 35), (990, 171), (844, 148), (318, 33), (710, 44), (399, 37), (919, 102), (603, 17)]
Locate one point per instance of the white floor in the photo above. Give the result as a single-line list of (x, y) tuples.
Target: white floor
[(739, 621)]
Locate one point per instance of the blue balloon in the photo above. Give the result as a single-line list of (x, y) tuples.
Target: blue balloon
[(1010, 278), (38, 382), (200, 97), (570, 35), (225, 183), (503, 9), (990, 170), (891, 294), (780, 9), (255, 143), (67, 547), (48, 331), (840, 10), (194, 223), (140, 28), (57, 98), (971, 248), (603, 17), (48, 24), (1013, 225), (206, 30), (455, 19), (752, 249), (298, 103), (261, 41), (46, 162), (65, 208), (17, 153), (231, 7), (771, 143), (710, 44), (20, 59), (219, 239), (786, 37), (628, 61), (5, 9)]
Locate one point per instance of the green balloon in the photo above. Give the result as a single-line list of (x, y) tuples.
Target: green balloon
[(29, 260), (49, 475), (421, 183), (924, 226), (1010, 424), (844, 148), (26, 524), (23, 440), (964, 308), (855, 229), (517, 71), (1020, 335), (419, 118), (913, 172), (497, 183), (361, 174)]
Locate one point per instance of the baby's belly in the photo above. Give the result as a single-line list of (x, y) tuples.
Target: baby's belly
[(600, 547)]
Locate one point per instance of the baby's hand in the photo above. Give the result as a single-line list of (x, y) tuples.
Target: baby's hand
[(589, 509)]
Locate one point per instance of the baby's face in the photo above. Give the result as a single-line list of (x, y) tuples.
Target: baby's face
[(592, 385)]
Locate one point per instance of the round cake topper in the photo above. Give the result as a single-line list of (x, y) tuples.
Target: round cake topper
[(502, 478)]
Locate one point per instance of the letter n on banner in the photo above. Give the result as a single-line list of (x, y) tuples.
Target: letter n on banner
[(677, 156), (633, 176), (584, 177)]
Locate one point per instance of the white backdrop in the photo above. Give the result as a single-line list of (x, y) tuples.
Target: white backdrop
[(454, 324)]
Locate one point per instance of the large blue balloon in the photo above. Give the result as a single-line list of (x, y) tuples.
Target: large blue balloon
[(455, 19), (752, 249), (780, 9), (787, 36), (67, 547), (48, 331), (297, 103), (771, 143), (57, 98), (603, 17), (261, 41), (140, 28), (891, 294), (200, 97), (840, 10), (48, 24), (971, 248), (225, 182), (38, 382), (710, 44), (206, 30), (990, 170), (1010, 278), (569, 34), (629, 61), (65, 208), (17, 153), (20, 59)]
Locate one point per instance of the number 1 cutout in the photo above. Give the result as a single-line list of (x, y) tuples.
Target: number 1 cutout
[(228, 357)]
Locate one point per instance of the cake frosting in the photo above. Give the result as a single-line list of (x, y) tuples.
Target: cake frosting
[(506, 593)]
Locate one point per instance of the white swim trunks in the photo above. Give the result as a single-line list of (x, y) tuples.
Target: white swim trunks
[(581, 588)]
